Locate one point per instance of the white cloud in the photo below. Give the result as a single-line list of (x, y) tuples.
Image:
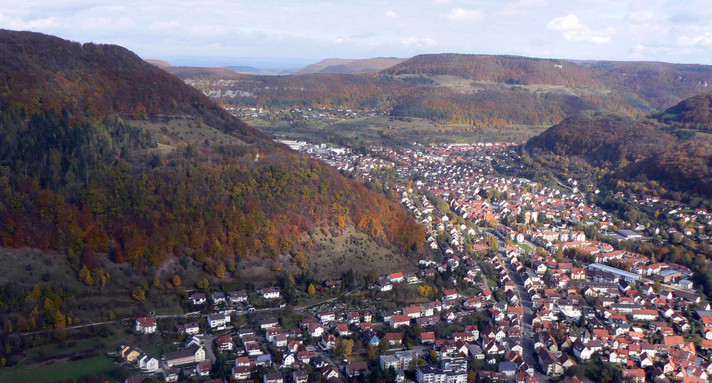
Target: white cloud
[(645, 52), (607, 29), (703, 40), (105, 24), (461, 14), (428, 42), (574, 31), (210, 31), (523, 7), (642, 17), (413, 41), (34, 24), (163, 26)]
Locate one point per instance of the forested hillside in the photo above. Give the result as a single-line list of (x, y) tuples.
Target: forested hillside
[(652, 86), (640, 154), (80, 176), (693, 113), (477, 90), (402, 96), (503, 69), (604, 140), (646, 86)]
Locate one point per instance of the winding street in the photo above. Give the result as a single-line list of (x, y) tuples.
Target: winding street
[(527, 329)]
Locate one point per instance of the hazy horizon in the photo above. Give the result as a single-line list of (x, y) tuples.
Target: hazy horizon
[(293, 63), (298, 33)]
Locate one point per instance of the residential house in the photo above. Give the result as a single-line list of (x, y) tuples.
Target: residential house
[(271, 293), (327, 342), (288, 360), (645, 314), (353, 318), (218, 321), (198, 298), (225, 342), (273, 377), (191, 328), (636, 375), (269, 323), (237, 296), (412, 311), (355, 369), (394, 339), (396, 277), (451, 294), (147, 363), (343, 329), (427, 337), (218, 298), (241, 372), (384, 285), (203, 368), (193, 354), (585, 351), (300, 376), (129, 353), (170, 374), (400, 320), (145, 325), (315, 330), (326, 317), (329, 372), (549, 363)]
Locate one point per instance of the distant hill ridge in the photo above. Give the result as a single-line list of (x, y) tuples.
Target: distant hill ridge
[(159, 63), (503, 69), (350, 66), (204, 73), (646, 85), (479, 90)]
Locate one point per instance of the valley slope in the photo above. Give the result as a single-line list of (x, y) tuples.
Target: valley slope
[(105, 153), (470, 90), (656, 154)]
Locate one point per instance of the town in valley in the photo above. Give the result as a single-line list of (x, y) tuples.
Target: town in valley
[(523, 283), (442, 191)]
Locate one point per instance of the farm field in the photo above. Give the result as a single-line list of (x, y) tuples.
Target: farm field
[(385, 130)]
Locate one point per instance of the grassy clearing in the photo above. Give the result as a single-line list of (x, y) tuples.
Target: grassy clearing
[(53, 362), (465, 85), (36, 266), (90, 303), (354, 250), (525, 247), (53, 372), (385, 130), (332, 255), (170, 132), (84, 342)]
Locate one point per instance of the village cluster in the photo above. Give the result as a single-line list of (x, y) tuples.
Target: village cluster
[(538, 328), (296, 114), (514, 303), (694, 224)]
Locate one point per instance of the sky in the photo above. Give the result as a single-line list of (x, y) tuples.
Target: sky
[(281, 33)]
